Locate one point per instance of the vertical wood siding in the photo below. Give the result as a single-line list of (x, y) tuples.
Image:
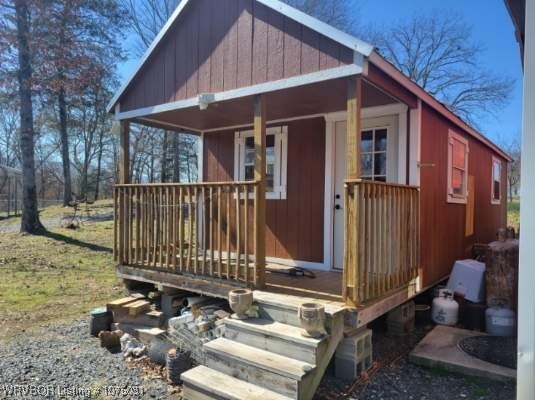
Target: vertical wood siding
[(294, 227), (236, 44), (443, 224)]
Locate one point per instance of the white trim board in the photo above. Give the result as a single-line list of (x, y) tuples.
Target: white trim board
[(301, 80), (329, 31), (526, 273)]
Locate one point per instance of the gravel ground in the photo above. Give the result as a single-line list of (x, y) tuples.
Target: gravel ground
[(14, 227), (392, 377), (66, 357)]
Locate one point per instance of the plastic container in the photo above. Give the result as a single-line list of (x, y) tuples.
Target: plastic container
[(468, 279), (445, 310), (500, 321), (100, 320)]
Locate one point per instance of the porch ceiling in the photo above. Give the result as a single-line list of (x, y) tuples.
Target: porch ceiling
[(318, 98)]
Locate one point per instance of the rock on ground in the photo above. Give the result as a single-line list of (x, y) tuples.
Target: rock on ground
[(66, 357)]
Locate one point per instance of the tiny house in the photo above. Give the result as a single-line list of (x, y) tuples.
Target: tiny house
[(315, 152)]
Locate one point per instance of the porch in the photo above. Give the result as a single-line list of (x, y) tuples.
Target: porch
[(210, 237)]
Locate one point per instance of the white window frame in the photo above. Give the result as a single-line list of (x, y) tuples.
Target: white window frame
[(452, 197), (373, 176), (281, 159), (498, 201)]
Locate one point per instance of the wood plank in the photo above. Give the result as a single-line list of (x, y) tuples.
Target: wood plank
[(230, 56), (204, 44), (245, 43), (292, 48), (275, 61), (219, 231), (120, 303), (260, 43), (181, 224), (259, 129), (124, 152), (238, 232)]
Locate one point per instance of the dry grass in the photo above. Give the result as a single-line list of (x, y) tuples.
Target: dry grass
[(57, 276), (513, 213)]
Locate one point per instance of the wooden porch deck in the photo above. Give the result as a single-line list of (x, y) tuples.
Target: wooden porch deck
[(327, 285)]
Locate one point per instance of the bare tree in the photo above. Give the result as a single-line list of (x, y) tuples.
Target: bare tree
[(513, 167), (30, 222), (437, 52), (79, 46), (342, 14), (146, 18)]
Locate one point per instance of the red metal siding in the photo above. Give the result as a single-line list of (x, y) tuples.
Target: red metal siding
[(442, 228), (236, 44), (294, 226)]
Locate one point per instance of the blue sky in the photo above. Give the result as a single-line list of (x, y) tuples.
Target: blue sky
[(491, 26)]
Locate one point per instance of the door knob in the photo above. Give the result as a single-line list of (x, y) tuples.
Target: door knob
[(338, 207)]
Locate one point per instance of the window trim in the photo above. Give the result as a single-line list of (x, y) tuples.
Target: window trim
[(451, 197), (281, 154), (492, 199), (373, 152)]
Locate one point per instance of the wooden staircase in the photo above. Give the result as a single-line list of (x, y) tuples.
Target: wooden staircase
[(266, 357)]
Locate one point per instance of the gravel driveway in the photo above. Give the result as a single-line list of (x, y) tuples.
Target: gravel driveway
[(66, 357), (13, 227)]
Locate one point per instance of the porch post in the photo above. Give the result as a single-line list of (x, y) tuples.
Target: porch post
[(124, 152), (353, 135), (260, 191), (350, 291)]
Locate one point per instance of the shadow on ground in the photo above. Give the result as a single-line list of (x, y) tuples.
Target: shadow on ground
[(69, 240)]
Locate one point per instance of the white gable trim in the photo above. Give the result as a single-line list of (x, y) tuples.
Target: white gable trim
[(320, 76), (148, 52), (327, 30), (321, 27)]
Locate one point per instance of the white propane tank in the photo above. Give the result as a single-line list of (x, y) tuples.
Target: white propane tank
[(445, 310)]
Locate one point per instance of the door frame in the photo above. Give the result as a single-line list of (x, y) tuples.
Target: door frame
[(398, 109)]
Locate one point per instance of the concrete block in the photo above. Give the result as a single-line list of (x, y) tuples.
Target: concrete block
[(402, 313), (170, 304), (350, 369), (353, 355), (357, 346), (400, 328)]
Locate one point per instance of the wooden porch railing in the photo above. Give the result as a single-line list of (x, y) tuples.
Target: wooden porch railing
[(200, 229), (381, 238)]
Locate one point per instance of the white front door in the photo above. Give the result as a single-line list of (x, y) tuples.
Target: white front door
[(338, 201), (378, 162)]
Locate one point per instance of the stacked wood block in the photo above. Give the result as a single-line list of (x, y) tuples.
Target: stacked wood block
[(354, 355), (400, 321), (130, 313)]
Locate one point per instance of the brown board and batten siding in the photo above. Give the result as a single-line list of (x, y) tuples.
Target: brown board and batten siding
[(442, 231), (294, 227), (229, 44)]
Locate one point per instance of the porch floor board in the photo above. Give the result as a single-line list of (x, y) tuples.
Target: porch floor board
[(327, 285)]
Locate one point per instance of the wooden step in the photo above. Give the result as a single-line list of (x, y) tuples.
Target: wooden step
[(203, 383), (275, 337), (259, 367), (283, 308)]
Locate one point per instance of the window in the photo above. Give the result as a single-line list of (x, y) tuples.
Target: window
[(457, 168), (496, 188), (373, 154), (276, 154)]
